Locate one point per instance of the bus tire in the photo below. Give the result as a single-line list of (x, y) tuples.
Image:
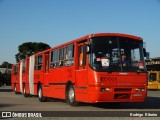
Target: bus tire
[(24, 92), (15, 89), (40, 94), (70, 96)]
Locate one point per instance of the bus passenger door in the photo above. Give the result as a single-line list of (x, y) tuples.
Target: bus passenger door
[(46, 75), (46, 70), (81, 72)]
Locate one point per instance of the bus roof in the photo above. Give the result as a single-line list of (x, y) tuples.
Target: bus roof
[(98, 35), (116, 35), (91, 36)]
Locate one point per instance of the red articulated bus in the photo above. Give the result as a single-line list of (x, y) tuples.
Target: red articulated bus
[(89, 69)]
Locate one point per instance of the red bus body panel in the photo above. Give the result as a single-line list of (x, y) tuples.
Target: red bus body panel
[(15, 78), (88, 84)]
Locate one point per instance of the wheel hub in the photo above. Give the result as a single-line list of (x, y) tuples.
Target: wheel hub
[(71, 94)]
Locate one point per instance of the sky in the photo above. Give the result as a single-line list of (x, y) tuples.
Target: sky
[(58, 21)]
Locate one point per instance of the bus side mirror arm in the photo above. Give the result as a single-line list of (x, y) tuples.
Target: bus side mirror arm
[(88, 48), (144, 52)]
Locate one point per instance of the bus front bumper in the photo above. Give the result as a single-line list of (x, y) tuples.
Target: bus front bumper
[(117, 94)]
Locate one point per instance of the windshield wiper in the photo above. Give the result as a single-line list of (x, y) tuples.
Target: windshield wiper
[(138, 71), (109, 70)]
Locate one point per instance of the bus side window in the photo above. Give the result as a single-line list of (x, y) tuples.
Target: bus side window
[(61, 57), (38, 62), (82, 55), (24, 67), (54, 59), (15, 69), (69, 59)]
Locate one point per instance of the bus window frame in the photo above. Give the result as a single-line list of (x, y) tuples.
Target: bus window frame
[(38, 62), (24, 66), (15, 69), (61, 57), (53, 61), (69, 55)]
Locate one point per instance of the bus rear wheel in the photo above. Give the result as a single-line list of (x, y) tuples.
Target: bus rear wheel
[(24, 92), (15, 89), (40, 94), (70, 96)]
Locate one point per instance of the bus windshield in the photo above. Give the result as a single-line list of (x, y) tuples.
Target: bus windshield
[(152, 77), (116, 54)]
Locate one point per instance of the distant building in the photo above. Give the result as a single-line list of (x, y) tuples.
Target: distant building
[(147, 55), (153, 63), (4, 70)]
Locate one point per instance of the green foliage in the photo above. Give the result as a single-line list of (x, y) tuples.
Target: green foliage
[(5, 78), (29, 48), (6, 65)]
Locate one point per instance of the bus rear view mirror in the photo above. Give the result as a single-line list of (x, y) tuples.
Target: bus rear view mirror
[(144, 52), (88, 48)]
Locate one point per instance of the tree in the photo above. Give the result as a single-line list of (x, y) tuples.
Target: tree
[(29, 48), (5, 64), (5, 78)]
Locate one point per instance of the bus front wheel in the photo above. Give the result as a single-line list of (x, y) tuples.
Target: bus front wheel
[(15, 89), (70, 97), (40, 94)]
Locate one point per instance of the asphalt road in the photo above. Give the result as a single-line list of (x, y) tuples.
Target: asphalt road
[(17, 102)]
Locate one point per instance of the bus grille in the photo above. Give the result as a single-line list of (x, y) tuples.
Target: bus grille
[(122, 93), (122, 96), (122, 90)]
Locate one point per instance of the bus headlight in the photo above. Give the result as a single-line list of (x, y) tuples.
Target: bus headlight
[(139, 89), (105, 89)]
